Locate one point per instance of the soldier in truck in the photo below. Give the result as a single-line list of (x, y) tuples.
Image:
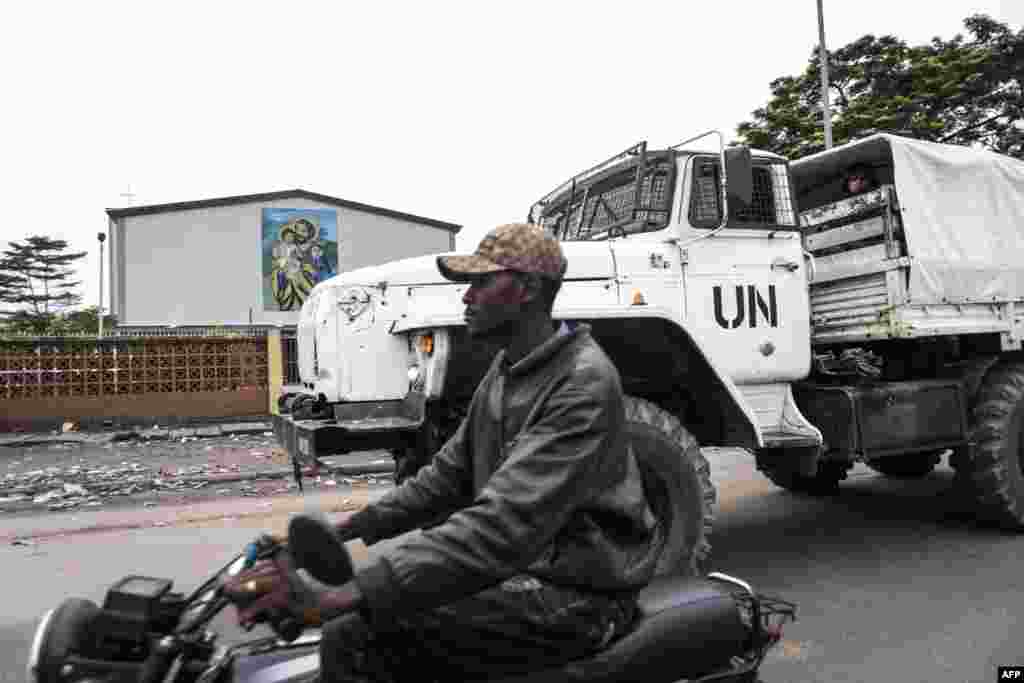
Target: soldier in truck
[(547, 533), (859, 179)]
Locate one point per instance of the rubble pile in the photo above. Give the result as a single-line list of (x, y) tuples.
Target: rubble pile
[(63, 476), (62, 488)]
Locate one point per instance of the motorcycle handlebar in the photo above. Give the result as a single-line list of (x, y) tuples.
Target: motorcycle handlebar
[(264, 546)]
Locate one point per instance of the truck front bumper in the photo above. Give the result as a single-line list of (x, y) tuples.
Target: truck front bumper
[(386, 425)]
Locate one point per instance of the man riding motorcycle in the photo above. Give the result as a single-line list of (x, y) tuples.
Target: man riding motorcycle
[(547, 534)]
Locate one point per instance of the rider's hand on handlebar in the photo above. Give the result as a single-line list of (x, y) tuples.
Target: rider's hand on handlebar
[(274, 585), (273, 538)]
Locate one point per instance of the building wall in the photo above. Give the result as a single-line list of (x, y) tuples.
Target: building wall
[(204, 266)]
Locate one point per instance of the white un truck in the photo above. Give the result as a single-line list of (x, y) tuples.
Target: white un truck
[(746, 302)]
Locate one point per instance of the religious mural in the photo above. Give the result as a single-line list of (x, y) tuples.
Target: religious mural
[(300, 249)]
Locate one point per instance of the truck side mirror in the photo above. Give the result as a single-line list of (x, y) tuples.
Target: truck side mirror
[(739, 172)]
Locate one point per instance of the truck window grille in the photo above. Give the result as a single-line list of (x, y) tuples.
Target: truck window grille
[(770, 202), (612, 205)]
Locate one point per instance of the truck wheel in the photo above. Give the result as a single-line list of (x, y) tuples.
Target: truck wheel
[(677, 482), (825, 481), (411, 459), (441, 423), (994, 467), (407, 464), (907, 466)]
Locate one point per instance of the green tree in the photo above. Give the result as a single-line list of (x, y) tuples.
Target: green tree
[(965, 91), (36, 277), (87, 321), (9, 285)]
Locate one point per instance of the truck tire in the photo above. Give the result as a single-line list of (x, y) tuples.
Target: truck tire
[(407, 464), (677, 482), (912, 466), (994, 466), (440, 426)]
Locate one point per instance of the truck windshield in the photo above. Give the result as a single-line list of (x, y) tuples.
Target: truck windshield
[(627, 198)]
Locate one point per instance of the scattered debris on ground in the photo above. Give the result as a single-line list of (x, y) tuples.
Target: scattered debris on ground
[(70, 433), (64, 476)]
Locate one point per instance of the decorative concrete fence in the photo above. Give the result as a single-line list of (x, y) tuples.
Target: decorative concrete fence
[(130, 379)]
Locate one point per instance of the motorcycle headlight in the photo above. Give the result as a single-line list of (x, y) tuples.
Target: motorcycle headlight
[(31, 669)]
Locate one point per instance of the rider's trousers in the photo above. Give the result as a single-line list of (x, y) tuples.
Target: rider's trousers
[(518, 626)]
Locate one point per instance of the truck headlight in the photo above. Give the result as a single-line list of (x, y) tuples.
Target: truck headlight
[(425, 343), (428, 361)]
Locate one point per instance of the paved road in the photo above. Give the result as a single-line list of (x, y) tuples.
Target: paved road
[(892, 584)]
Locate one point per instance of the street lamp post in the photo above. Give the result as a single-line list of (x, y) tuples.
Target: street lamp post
[(826, 110), (101, 236)]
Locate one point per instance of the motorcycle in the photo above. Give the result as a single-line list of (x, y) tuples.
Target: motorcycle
[(712, 628)]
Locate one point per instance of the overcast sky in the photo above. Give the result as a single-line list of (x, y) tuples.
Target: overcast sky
[(460, 111)]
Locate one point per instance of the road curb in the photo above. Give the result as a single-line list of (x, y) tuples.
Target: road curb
[(343, 470)]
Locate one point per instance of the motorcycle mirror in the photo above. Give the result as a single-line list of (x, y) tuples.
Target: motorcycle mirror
[(739, 173), (317, 548)]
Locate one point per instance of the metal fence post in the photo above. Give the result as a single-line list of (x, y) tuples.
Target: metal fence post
[(275, 368)]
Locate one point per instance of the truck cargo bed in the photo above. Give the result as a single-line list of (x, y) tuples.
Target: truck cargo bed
[(934, 248), (859, 283)]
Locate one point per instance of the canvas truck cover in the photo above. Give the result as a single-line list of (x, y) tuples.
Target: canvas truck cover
[(962, 211)]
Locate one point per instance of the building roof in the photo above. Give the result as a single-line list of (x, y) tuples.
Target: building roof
[(271, 196)]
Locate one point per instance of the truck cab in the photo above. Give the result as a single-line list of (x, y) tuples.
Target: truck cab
[(731, 269)]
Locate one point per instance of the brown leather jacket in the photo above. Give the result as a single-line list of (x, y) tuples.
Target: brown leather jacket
[(537, 480)]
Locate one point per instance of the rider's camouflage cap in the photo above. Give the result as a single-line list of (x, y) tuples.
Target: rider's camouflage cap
[(515, 246)]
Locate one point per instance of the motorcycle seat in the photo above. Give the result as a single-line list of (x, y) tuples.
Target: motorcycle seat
[(686, 627)]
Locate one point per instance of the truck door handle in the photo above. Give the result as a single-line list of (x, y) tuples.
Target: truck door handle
[(790, 266), (811, 268)]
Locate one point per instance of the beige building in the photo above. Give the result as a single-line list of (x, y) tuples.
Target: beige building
[(250, 259)]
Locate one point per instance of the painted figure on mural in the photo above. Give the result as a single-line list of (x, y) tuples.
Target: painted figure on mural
[(299, 257), (293, 277), (316, 255)]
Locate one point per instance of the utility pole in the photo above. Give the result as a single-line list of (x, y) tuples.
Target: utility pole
[(826, 110), (101, 236)]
